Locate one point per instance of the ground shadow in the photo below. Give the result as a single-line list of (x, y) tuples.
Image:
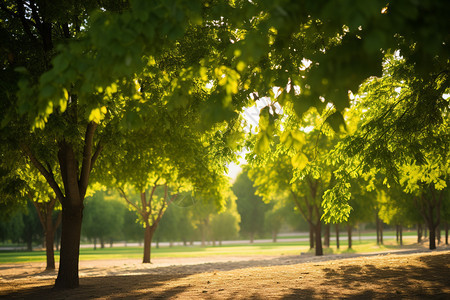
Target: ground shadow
[(361, 281), (110, 287), (367, 281)]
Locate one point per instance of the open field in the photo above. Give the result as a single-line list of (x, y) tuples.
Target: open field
[(409, 273), (282, 247)]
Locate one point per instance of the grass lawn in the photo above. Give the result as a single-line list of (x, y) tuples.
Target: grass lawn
[(279, 248)]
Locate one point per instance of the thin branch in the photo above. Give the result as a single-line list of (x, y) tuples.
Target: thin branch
[(97, 152), (124, 196), (153, 189), (144, 202), (297, 202), (47, 175), (160, 214), (87, 158)]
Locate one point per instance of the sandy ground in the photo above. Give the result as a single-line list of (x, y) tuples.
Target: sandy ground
[(409, 274)]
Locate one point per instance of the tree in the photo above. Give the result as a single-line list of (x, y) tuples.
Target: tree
[(225, 224), (297, 164), (273, 219), (251, 207), (389, 140), (103, 217), (23, 185)]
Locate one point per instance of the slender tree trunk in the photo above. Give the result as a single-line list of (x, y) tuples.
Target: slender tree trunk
[(438, 234), (252, 237), (311, 236), (95, 243), (318, 238), (401, 235), (49, 251), (378, 228), (397, 233), (337, 236), (349, 234), (446, 233), (29, 244), (147, 244), (419, 233), (381, 232), (72, 217), (102, 243), (274, 236), (326, 238)]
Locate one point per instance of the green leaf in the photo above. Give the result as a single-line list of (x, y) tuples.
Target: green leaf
[(262, 144), (299, 161)]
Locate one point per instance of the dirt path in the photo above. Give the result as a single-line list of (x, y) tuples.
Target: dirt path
[(410, 274)]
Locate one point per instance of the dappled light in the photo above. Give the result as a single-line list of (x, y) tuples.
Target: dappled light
[(263, 138)]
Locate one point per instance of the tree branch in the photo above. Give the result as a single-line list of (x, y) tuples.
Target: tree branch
[(87, 158), (47, 175), (144, 202), (124, 196), (297, 202), (97, 152)]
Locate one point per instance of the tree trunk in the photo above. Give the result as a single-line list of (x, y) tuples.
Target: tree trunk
[(311, 236), (318, 238), (72, 217), (274, 236), (102, 243), (29, 244), (446, 233), (252, 237), (49, 239), (401, 235), (397, 232), (326, 238), (147, 244), (432, 229), (438, 234), (95, 243), (381, 232), (419, 233), (349, 233), (337, 236), (378, 228)]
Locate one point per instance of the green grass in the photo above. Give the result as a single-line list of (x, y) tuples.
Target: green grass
[(279, 248)]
